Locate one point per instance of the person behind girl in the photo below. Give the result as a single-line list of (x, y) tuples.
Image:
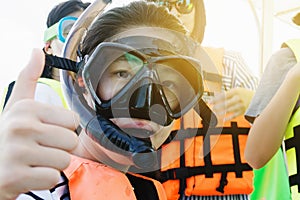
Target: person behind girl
[(62, 15), (273, 112)]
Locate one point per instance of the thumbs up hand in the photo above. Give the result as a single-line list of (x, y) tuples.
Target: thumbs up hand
[(35, 139)]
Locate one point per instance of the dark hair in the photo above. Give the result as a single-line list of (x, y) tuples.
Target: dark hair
[(138, 13), (63, 9)]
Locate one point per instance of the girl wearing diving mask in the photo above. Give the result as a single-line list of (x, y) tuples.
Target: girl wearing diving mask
[(134, 77)]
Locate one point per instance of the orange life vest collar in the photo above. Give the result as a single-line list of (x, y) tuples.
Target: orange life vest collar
[(92, 180)]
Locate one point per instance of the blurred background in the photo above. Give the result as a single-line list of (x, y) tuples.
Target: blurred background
[(255, 28)]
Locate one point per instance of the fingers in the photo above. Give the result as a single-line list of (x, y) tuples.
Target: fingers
[(56, 159), (218, 104), (26, 82), (43, 124), (234, 111), (41, 178), (218, 98), (36, 139), (235, 104), (34, 145), (24, 179), (52, 115), (21, 156), (27, 167), (228, 104), (57, 137)]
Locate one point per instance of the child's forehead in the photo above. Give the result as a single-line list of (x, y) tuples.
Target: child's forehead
[(154, 37), (167, 35)]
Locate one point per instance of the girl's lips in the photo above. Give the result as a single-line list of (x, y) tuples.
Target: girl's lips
[(135, 127), (138, 125), (133, 124)]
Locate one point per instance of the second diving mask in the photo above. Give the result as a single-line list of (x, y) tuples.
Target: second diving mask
[(60, 30)]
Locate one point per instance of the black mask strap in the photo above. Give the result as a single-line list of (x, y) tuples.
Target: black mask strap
[(61, 63)]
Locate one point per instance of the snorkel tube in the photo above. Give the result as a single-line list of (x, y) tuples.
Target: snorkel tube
[(81, 25), (100, 129)]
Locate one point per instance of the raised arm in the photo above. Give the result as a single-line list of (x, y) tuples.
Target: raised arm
[(267, 132)]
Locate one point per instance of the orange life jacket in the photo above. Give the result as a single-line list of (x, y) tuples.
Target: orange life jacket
[(93, 180), (212, 163)]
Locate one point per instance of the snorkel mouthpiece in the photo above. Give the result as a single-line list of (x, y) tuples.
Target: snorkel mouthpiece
[(142, 101), (147, 100), (110, 136)]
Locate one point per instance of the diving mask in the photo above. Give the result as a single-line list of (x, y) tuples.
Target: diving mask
[(60, 29)]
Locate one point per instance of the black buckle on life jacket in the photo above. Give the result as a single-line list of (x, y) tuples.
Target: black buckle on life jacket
[(177, 173)]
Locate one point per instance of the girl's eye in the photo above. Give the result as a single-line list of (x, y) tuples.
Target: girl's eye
[(123, 74)]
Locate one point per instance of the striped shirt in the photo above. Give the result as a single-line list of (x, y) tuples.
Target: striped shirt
[(236, 73), (225, 197)]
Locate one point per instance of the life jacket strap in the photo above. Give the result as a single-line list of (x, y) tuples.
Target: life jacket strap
[(183, 172), (186, 172), (183, 134), (223, 183), (182, 181)]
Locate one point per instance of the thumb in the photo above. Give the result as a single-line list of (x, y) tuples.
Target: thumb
[(25, 84)]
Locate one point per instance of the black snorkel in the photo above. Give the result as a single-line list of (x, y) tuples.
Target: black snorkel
[(139, 150)]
